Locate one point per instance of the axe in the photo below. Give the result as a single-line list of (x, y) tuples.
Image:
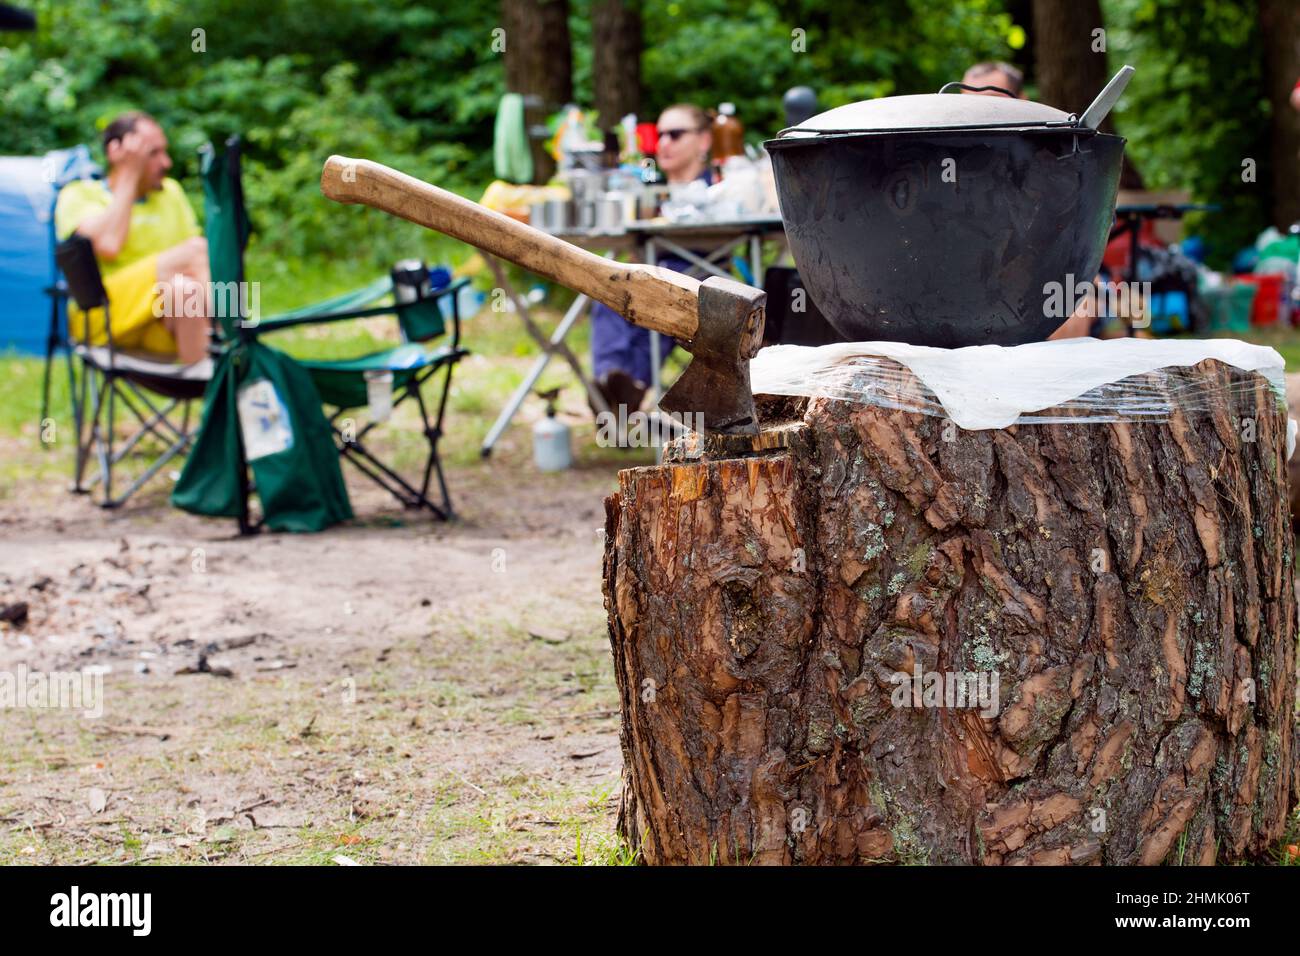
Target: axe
[(719, 321)]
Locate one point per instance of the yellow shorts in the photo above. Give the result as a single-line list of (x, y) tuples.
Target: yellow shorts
[(131, 302)]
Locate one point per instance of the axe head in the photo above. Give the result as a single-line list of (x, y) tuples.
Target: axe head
[(715, 384)]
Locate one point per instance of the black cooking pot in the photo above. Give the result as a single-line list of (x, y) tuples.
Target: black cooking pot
[(943, 219)]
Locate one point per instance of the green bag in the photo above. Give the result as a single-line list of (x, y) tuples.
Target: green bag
[(261, 407)]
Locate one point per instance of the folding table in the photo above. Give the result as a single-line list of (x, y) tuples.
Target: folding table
[(708, 247)]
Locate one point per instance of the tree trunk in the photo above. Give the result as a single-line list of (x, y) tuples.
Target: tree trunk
[(790, 630), (539, 65), (1280, 25), (616, 58), (1071, 62)]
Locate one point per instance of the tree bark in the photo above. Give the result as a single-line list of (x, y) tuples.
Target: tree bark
[(1070, 72), (539, 65), (1280, 26), (1130, 585), (616, 59)]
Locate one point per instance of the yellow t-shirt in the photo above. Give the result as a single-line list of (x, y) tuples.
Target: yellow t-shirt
[(161, 220)]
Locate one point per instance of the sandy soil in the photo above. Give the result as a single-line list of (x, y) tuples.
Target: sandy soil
[(396, 690)]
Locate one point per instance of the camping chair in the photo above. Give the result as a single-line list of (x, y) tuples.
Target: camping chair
[(422, 312), (156, 389)]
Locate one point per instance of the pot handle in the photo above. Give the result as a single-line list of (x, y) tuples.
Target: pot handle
[(1107, 98), (976, 89)]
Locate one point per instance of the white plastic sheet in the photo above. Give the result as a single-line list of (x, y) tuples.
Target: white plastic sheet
[(993, 386)]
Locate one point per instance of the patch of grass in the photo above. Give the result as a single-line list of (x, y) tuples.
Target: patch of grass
[(23, 454), (603, 851), (493, 823)]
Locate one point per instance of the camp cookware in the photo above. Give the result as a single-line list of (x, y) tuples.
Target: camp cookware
[(946, 220)]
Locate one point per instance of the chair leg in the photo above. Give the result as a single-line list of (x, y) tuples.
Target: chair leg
[(148, 426), (246, 525), (442, 411), (433, 433), (430, 436), (83, 424), (156, 422), (97, 434), (45, 389), (101, 392), (386, 478), (106, 462), (354, 450), (442, 485), (179, 446), (76, 397)]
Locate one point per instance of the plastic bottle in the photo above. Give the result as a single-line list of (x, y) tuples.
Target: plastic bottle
[(551, 448), (631, 151), (573, 138)]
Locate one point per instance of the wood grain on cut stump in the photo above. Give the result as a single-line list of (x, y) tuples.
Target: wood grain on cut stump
[(1130, 585)]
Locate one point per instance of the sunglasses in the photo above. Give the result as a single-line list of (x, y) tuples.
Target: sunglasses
[(673, 135)]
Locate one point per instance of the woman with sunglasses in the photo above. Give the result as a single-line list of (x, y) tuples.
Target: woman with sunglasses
[(620, 351)]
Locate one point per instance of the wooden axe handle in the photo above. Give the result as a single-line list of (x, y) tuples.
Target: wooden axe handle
[(648, 296)]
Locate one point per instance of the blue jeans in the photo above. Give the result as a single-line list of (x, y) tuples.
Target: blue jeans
[(618, 345)]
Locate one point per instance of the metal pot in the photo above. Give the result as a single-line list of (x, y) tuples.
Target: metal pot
[(942, 220), (609, 212), (552, 215)]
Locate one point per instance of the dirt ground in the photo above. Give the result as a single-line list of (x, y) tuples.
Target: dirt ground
[(393, 691)]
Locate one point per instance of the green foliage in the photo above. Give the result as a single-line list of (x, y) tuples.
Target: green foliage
[(431, 71), (708, 52), (286, 198), (1196, 108), (393, 80), (416, 85)]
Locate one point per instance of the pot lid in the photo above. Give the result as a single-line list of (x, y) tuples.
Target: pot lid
[(930, 111)]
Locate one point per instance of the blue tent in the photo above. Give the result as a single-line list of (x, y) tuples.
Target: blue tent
[(28, 186)]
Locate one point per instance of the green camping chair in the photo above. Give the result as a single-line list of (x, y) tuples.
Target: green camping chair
[(340, 385)]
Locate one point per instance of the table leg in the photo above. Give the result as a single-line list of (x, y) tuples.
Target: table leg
[(656, 381), (552, 346)]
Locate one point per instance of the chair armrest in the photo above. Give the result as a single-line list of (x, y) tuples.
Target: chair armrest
[(274, 324)]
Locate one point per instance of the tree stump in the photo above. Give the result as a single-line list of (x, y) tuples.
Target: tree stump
[(793, 630)]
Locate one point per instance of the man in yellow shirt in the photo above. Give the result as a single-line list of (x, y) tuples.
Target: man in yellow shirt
[(153, 259)]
